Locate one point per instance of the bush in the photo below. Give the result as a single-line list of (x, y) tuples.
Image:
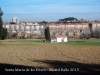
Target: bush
[(87, 38), (44, 41)]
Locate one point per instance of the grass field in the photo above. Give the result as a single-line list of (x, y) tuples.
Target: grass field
[(77, 53)]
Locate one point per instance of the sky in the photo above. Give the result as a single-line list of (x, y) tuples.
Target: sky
[(49, 10)]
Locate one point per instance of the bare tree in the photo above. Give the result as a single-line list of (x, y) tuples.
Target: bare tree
[(97, 31), (17, 30), (30, 31), (24, 30), (86, 33), (10, 31), (20, 31)]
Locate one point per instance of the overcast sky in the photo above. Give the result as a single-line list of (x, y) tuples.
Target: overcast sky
[(50, 10)]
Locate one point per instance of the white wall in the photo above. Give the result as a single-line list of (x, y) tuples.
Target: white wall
[(62, 39)]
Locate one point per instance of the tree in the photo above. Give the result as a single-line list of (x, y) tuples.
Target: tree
[(91, 31), (4, 35), (47, 34), (87, 32), (10, 32), (16, 29), (12, 23), (3, 31), (69, 19), (1, 28), (97, 31)]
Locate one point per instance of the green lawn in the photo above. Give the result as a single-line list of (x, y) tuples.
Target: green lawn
[(71, 42), (86, 42)]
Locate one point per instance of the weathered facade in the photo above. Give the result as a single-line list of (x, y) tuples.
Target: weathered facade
[(61, 29)]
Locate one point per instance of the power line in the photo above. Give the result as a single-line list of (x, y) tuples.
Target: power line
[(25, 5), (54, 13)]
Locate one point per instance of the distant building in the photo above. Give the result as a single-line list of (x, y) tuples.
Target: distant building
[(59, 32), (16, 20)]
